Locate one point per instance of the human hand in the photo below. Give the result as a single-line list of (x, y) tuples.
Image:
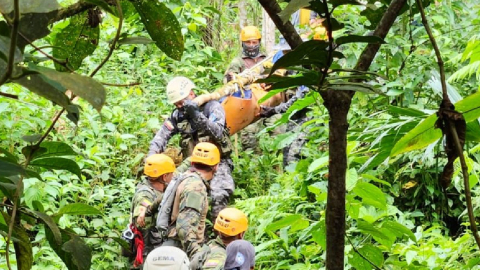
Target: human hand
[(141, 217), (190, 107), (266, 111)]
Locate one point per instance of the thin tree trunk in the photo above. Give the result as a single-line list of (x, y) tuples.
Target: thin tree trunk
[(268, 32), (242, 13)]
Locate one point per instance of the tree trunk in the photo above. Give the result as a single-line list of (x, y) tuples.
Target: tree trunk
[(268, 32), (242, 13)]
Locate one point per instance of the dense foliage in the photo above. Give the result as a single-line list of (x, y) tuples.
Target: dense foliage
[(398, 216)]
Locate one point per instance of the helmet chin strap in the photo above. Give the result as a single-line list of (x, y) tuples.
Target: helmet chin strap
[(251, 51)]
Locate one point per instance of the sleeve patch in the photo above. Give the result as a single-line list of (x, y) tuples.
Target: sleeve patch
[(194, 200), (168, 124)]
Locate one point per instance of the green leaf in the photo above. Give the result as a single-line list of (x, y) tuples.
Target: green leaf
[(378, 235), (358, 87), (41, 86), (300, 55), (290, 220), (124, 244), (49, 149), (398, 229), (318, 163), (32, 138), (56, 163), (67, 256), (320, 235), (372, 253), (23, 249), (7, 156), (419, 137), (85, 87), (469, 107), (9, 168), (78, 209), (81, 253), (282, 140), (101, 3), (371, 195), (135, 40), (291, 8), (8, 187), (162, 26), (359, 39), (48, 221), (5, 49), (75, 42), (37, 6), (473, 132), (373, 178), (405, 111), (336, 3)]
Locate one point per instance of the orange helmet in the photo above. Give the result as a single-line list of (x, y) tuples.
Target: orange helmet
[(231, 221), (249, 33), (205, 153), (158, 164)]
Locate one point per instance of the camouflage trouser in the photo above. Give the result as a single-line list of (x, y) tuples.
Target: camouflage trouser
[(222, 187), (248, 135), (292, 152)]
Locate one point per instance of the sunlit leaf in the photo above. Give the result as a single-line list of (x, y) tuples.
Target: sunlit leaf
[(49, 149), (371, 195), (37, 6), (163, 27), (398, 229), (78, 209), (56, 163), (135, 40)]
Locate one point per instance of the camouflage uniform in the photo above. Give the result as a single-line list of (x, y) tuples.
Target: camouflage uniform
[(217, 255), (189, 213), (209, 126), (240, 63), (146, 196)]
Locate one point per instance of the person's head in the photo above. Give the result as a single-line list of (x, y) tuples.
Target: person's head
[(167, 258), (250, 37), (240, 256), (159, 170), (231, 225), (178, 90), (205, 159)]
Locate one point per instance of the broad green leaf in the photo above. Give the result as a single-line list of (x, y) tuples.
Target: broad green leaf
[(21, 243), (318, 163), (32, 138), (41, 86), (373, 178), (162, 26), (299, 105), (336, 3), (7, 156), (66, 256), (282, 83), (75, 42), (372, 253), (37, 6), (410, 255), (282, 140), (406, 111), (358, 87), (50, 149), (398, 229), (371, 195), (81, 253), (56, 163), (8, 187), (359, 39), (419, 137), (469, 107), (336, 25), (376, 233), (124, 244), (5, 48), (103, 4), (320, 235), (78, 209), (291, 8), (284, 222), (85, 87), (135, 40), (301, 54), (9, 168), (473, 132), (50, 223)]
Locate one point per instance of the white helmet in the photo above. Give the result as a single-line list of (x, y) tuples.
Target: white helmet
[(179, 88), (167, 258)]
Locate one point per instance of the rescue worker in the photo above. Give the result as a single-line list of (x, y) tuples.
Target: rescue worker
[(231, 224), (240, 256), (159, 170), (250, 37), (198, 124), (167, 258), (190, 205)]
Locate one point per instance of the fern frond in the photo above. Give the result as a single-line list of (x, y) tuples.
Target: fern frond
[(466, 71)]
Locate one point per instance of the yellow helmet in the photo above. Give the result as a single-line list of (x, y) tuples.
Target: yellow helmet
[(231, 221), (249, 33), (179, 88), (205, 153), (158, 164)]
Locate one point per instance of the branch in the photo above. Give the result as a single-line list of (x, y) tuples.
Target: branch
[(121, 85), (117, 36), (71, 11), (286, 29), (361, 255), (9, 95), (13, 44)]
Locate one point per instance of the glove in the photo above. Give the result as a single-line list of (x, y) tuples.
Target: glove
[(267, 111), (191, 108)]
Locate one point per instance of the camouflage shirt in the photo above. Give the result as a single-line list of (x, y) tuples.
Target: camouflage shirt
[(216, 258), (145, 195), (243, 62), (189, 213), (209, 126)]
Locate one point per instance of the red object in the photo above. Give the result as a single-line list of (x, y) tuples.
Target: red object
[(139, 245)]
